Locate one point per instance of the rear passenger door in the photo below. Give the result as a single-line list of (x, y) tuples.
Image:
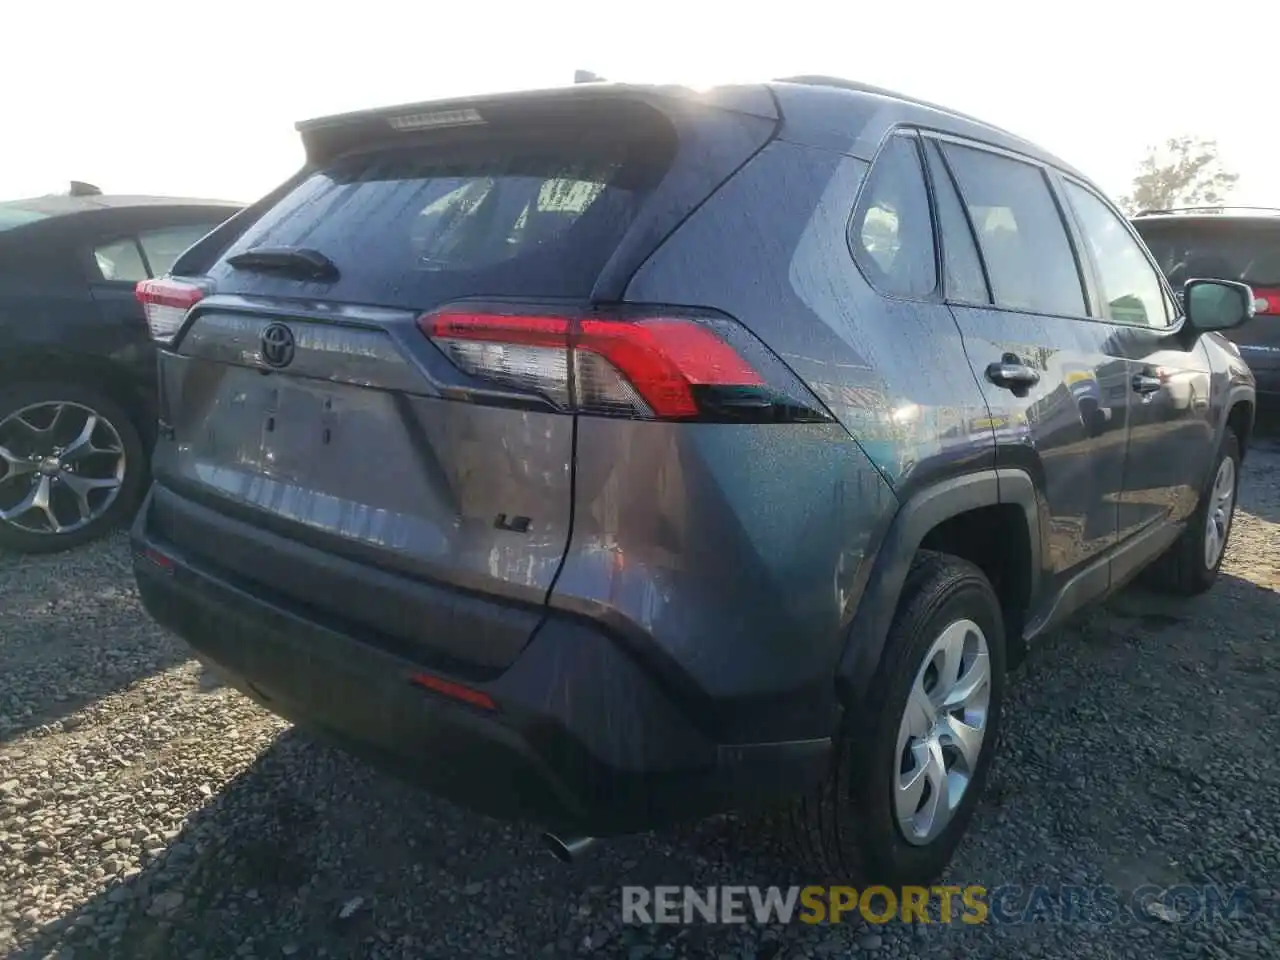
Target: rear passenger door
[(1170, 427), (116, 258), (1045, 365)]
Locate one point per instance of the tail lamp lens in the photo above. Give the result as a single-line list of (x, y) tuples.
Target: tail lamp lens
[(650, 367), (1266, 303), (165, 302)]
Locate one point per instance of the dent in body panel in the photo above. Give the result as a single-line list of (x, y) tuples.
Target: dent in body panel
[(892, 372), (737, 550)]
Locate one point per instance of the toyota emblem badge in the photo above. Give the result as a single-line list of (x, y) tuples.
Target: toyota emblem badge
[(277, 345)]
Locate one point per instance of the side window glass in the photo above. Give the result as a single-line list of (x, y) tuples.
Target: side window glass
[(163, 247), (120, 261), (1131, 288), (1020, 230), (891, 233), (962, 270)]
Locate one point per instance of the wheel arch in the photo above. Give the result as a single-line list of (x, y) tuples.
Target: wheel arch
[(1241, 409), (33, 367), (947, 516)]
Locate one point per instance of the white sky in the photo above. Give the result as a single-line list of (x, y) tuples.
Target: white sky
[(199, 98)]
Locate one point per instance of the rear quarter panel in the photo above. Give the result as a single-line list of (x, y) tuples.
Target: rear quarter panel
[(741, 552), (48, 316)]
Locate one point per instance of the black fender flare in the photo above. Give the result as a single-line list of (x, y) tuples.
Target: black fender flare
[(920, 513), (1236, 393)]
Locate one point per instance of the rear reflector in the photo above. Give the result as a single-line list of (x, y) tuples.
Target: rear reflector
[(649, 367), (161, 560), (166, 302), (455, 691)]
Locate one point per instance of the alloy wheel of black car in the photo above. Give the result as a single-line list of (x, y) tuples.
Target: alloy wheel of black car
[(70, 466)]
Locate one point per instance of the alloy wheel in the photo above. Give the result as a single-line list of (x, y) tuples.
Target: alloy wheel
[(62, 465)]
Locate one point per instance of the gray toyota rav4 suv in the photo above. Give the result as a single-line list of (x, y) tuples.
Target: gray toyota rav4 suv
[(610, 456)]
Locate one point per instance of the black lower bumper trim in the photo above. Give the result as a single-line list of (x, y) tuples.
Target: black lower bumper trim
[(581, 741)]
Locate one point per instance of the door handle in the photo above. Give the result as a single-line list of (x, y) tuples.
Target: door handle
[(1145, 383), (1010, 372)]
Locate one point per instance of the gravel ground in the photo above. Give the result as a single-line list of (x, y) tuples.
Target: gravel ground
[(146, 812)]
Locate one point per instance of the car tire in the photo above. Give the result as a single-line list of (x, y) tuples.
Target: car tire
[(1191, 565), (38, 420), (851, 828)]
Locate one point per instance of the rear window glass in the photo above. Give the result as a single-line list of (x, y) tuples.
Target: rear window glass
[(1223, 250), (12, 216), (415, 226)]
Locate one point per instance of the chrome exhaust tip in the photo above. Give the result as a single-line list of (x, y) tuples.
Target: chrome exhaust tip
[(566, 850)]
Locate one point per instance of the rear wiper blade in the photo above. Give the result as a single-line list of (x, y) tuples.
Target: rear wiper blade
[(301, 262)]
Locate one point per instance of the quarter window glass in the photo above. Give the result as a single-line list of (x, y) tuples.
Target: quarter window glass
[(891, 234), (120, 261), (961, 268), (1021, 233), (1131, 288), (163, 247)]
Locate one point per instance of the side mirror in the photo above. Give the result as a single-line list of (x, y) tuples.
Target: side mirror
[(1217, 304)]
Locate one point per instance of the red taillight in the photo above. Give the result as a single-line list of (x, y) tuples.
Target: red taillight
[(664, 359), (455, 691), (1266, 302), (166, 302), (647, 367)]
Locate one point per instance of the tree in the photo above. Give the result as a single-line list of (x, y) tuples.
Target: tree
[(1185, 171)]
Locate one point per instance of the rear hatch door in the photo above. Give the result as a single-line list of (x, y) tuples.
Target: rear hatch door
[(302, 398)]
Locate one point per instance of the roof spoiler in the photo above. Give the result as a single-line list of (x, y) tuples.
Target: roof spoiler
[(326, 137)]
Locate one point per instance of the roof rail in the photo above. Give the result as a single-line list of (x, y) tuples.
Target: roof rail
[(840, 83), (1219, 209)]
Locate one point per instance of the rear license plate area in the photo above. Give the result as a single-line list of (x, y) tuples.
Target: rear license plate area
[(298, 423)]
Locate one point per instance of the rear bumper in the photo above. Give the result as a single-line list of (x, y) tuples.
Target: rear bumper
[(583, 739)]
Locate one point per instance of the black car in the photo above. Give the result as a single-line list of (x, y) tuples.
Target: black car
[(1227, 243), (77, 363)]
